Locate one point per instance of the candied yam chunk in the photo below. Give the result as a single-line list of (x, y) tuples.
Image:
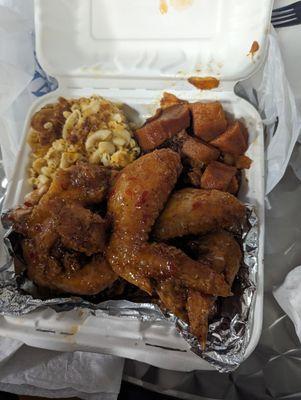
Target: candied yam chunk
[(169, 99), (209, 120), (233, 140), (228, 159), (234, 186), (168, 122), (243, 162), (217, 176), (198, 152)]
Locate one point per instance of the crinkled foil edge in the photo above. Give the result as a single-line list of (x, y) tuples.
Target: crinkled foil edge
[(227, 339)]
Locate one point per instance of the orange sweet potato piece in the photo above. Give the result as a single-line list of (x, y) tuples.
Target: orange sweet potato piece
[(228, 159), (243, 162), (198, 152), (166, 124), (233, 186), (209, 120), (217, 176), (169, 99), (233, 140)]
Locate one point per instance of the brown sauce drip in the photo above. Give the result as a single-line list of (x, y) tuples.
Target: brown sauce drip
[(206, 83)]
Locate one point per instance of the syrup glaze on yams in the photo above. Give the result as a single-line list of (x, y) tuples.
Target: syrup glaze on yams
[(211, 145), (168, 223)]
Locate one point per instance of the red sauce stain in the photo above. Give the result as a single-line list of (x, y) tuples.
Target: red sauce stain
[(142, 199), (254, 48), (206, 83)]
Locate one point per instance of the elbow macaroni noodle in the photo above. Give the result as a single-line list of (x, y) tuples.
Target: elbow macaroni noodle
[(94, 130)]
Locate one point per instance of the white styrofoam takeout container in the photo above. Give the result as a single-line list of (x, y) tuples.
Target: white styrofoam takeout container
[(129, 51)]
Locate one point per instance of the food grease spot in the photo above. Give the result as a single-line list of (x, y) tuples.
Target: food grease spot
[(163, 6), (180, 5), (254, 48), (206, 83)]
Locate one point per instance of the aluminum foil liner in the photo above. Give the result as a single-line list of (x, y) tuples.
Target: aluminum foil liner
[(228, 335)]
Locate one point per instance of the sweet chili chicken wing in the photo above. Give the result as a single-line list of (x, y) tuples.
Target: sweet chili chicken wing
[(137, 198), (197, 211), (199, 306), (82, 183), (66, 274), (209, 120), (223, 253), (173, 297), (166, 261), (164, 125), (81, 230), (61, 221)]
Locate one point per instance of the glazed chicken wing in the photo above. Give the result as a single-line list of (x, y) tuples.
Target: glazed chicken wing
[(159, 261), (82, 183), (197, 211), (199, 306), (66, 274), (224, 255), (64, 240), (222, 251), (173, 297), (139, 195), (81, 230)]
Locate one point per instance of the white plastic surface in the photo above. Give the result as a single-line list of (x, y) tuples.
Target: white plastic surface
[(155, 343), (132, 39)]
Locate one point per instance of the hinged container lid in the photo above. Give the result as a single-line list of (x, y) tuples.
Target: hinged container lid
[(151, 39)]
